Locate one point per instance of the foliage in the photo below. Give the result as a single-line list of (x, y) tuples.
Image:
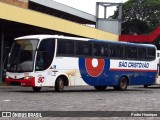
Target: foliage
[(139, 16)]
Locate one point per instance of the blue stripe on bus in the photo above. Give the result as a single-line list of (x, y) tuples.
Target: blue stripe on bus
[(111, 78)]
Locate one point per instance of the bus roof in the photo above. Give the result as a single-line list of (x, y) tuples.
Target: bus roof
[(79, 38), (124, 43), (51, 36)]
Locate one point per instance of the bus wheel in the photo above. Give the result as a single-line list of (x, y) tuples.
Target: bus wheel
[(123, 84), (59, 85), (36, 89), (100, 88)]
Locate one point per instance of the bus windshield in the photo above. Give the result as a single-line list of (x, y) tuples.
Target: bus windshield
[(22, 55)]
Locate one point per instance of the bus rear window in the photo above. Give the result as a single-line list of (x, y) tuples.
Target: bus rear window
[(151, 53)]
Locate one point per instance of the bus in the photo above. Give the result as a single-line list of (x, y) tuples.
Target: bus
[(56, 61), (157, 82)]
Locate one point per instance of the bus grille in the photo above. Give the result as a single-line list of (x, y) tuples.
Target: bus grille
[(15, 83)]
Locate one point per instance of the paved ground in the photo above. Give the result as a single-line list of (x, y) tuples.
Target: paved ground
[(136, 98)]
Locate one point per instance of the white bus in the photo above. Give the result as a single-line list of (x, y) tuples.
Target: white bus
[(56, 61), (158, 67), (157, 81)]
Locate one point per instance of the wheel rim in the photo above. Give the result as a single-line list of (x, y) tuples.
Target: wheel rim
[(123, 84), (61, 85)]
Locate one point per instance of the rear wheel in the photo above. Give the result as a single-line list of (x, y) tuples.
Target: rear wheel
[(123, 84), (59, 85), (100, 88), (36, 89)]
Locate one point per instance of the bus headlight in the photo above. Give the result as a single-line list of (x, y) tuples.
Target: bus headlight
[(7, 77), (27, 77)]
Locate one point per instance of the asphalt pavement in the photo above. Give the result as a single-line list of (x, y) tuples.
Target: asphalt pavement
[(81, 102)]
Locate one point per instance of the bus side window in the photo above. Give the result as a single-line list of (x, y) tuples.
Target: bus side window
[(99, 50), (142, 53), (131, 52), (83, 48), (79, 48), (88, 49), (65, 48), (69, 48), (151, 53), (45, 54), (96, 51), (106, 51), (61, 48), (115, 51)]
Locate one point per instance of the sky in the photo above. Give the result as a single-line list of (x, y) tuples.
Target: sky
[(89, 6)]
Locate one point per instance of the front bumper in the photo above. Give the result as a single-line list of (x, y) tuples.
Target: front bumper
[(21, 82)]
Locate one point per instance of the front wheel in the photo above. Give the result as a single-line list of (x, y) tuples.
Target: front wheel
[(100, 88), (36, 89), (59, 85)]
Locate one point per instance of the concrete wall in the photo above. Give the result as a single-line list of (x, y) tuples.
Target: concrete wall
[(112, 26), (19, 3)]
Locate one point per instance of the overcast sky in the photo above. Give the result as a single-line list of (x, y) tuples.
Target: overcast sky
[(89, 5)]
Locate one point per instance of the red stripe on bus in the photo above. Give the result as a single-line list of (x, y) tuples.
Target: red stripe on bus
[(132, 70)]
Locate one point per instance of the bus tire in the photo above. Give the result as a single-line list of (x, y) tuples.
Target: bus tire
[(123, 84), (59, 85), (36, 89), (100, 88)]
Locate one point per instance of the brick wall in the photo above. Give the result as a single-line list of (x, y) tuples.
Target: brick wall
[(19, 3)]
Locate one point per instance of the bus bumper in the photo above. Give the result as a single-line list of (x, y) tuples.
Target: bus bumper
[(21, 82)]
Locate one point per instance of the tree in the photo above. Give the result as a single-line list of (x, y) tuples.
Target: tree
[(139, 16)]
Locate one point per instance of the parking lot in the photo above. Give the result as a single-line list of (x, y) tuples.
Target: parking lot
[(136, 98)]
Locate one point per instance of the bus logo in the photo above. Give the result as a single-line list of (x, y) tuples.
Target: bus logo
[(94, 67), (40, 79)]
